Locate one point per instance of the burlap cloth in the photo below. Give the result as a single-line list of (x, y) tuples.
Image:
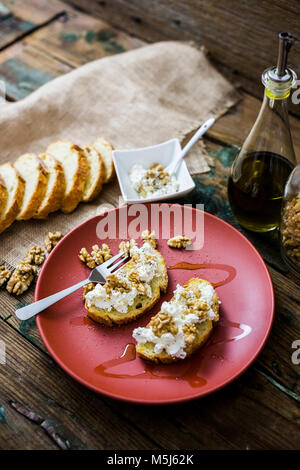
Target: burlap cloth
[(135, 99)]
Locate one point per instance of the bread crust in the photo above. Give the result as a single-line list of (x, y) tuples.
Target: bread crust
[(99, 183), (74, 195), (10, 214), (39, 193), (109, 168), (204, 331), (55, 199), (110, 319), (3, 195)]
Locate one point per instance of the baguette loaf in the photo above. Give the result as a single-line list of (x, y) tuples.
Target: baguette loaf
[(34, 173), (182, 326), (55, 189), (16, 188), (75, 167)]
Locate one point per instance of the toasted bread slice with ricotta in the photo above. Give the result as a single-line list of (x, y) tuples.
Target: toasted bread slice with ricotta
[(105, 149), (16, 188), (34, 173), (3, 195), (96, 174), (55, 188), (182, 326), (75, 167), (108, 304)]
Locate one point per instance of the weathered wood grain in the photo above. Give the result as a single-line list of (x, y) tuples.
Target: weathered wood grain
[(79, 416), (240, 35), (20, 18), (29, 70), (67, 42), (252, 412), (76, 39), (248, 414), (85, 420)]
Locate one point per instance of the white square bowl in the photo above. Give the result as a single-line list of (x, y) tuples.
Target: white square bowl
[(146, 156)]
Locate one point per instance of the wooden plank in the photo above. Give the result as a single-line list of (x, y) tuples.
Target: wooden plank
[(77, 39), (66, 43), (240, 36), (28, 70), (248, 414), (79, 416), (19, 18), (85, 420)]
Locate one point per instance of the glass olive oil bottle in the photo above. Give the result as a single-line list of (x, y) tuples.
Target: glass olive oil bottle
[(266, 159)]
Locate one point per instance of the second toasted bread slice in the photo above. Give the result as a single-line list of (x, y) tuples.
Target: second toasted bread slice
[(105, 149), (96, 175), (34, 173), (182, 326), (133, 290), (16, 187), (75, 167), (55, 189)]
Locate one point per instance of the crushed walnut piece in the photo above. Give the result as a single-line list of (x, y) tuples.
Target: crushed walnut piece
[(88, 288), (51, 240), (291, 229), (21, 278), (4, 275), (180, 241), (97, 256), (149, 238), (35, 255), (190, 333), (126, 246), (114, 282), (136, 282), (86, 258), (101, 254), (163, 323)]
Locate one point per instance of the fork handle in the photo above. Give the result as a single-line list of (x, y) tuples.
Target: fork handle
[(33, 309)]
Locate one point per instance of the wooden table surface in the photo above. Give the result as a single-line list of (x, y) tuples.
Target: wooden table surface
[(40, 40)]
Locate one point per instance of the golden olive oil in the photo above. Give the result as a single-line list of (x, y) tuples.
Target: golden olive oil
[(256, 187)]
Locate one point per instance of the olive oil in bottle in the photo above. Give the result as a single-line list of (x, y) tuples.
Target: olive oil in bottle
[(255, 190), (266, 159)]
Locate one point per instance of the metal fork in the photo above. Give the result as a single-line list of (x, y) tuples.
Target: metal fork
[(98, 275)]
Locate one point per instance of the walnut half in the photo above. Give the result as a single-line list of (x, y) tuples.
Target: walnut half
[(21, 278), (180, 241), (4, 275), (51, 240), (35, 255)]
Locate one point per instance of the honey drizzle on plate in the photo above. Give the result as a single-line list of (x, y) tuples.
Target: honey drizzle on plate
[(190, 374)]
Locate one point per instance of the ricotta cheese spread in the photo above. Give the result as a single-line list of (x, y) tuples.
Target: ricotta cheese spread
[(182, 316), (152, 182), (122, 287)]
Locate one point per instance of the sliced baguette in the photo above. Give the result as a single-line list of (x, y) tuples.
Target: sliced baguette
[(204, 330), (96, 175), (105, 148), (34, 173), (3, 195), (16, 188), (141, 304), (55, 189), (75, 167)]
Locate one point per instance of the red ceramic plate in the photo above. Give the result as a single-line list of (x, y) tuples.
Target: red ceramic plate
[(103, 358)]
